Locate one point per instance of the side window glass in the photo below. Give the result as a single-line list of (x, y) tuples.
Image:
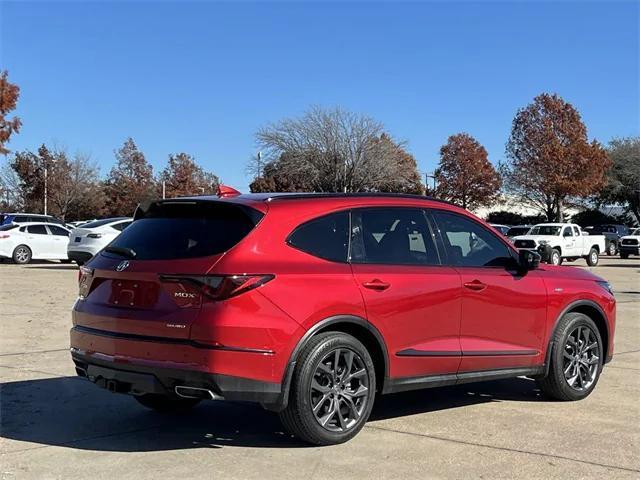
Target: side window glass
[(469, 244), (325, 237), (121, 226), (567, 232), (37, 229), (58, 231), (576, 231), (397, 236)]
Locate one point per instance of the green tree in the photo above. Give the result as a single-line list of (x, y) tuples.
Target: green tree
[(623, 182)]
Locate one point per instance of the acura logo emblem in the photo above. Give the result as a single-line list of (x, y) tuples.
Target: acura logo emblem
[(122, 265)]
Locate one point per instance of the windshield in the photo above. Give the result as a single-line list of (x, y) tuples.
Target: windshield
[(545, 230)]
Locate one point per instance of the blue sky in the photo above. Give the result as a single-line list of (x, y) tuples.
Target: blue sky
[(203, 77)]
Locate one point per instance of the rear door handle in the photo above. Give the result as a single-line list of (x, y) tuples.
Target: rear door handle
[(476, 286), (376, 285)]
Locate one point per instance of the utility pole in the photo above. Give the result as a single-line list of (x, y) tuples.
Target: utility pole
[(427, 176)]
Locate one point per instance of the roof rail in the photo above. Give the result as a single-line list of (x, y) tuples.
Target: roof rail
[(297, 196)]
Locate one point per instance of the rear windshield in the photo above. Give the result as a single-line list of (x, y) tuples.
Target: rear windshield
[(514, 231), (100, 223), (175, 230)]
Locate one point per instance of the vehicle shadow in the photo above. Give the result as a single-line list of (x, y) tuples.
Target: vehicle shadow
[(71, 412), (54, 266)]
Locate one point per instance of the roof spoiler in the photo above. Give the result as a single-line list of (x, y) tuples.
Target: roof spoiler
[(226, 191)]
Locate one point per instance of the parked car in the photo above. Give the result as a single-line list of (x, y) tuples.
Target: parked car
[(87, 240), (7, 218), (309, 304), (612, 235), (33, 241), (566, 240), (517, 230), (630, 244), (503, 229)]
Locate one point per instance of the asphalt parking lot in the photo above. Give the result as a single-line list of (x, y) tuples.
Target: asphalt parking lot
[(56, 425)]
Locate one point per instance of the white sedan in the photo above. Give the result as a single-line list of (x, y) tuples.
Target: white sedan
[(86, 241), (33, 241)]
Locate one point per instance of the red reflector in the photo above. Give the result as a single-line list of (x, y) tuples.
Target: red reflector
[(4, 235)]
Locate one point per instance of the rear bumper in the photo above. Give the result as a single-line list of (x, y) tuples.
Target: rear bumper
[(78, 256), (136, 379)]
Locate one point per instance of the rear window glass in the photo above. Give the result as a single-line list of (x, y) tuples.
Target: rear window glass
[(326, 237), (175, 230), (100, 223), (11, 226)]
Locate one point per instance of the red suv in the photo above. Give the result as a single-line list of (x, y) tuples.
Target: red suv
[(310, 304)]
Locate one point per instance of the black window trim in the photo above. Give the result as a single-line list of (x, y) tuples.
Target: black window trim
[(441, 244)]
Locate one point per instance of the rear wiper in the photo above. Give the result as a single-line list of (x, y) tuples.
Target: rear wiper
[(124, 251)]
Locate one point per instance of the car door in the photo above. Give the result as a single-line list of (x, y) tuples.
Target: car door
[(60, 239), (410, 297), (38, 240), (503, 312), (571, 247)]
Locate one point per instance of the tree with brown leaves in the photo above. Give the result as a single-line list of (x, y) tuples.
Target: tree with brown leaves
[(129, 182), (9, 94), (550, 157), (465, 176), (184, 177)]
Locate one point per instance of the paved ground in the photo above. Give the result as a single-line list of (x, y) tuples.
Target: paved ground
[(55, 425)]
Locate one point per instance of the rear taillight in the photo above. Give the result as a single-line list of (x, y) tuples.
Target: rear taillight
[(84, 281), (213, 287)]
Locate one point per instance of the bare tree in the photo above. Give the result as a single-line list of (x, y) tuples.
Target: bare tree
[(333, 150)]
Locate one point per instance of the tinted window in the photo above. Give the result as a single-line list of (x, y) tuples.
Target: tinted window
[(20, 218), (121, 226), (545, 230), (567, 232), (576, 231), (469, 244), (326, 237), (175, 230), (37, 229), (515, 231), (99, 223), (392, 236), (58, 231)]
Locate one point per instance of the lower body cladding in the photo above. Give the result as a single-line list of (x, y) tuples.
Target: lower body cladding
[(135, 379), (78, 256)]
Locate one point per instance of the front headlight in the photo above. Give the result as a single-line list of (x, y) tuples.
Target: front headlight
[(606, 285)]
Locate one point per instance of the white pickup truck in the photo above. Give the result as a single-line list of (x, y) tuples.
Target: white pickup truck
[(567, 241)]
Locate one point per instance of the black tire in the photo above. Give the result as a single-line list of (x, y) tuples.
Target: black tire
[(299, 417), (612, 249), (593, 257), (22, 255), (555, 385), (624, 255), (165, 403), (556, 257)]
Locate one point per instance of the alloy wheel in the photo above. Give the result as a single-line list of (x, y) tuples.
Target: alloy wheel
[(594, 257), (340, 390), (555, 258), (22, 255), (581, 358)]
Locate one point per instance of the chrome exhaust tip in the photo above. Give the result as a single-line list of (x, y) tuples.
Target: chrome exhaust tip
[(196, 392)]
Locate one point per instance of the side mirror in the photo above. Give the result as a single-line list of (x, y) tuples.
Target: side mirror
[(528, 260)]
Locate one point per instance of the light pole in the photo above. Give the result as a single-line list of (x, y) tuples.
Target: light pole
[(46, 181), (427, 176)]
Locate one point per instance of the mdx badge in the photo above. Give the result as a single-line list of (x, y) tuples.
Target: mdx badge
[(122, 266)]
